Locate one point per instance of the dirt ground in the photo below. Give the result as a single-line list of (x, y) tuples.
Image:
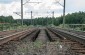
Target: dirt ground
[(35, 48)]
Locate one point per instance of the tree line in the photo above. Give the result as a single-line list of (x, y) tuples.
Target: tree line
[(74, 18)]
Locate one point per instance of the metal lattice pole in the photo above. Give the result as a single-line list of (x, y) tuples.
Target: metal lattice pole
[(22, 13), (31, 18), (47, 20), (53, 17), (64, 14)]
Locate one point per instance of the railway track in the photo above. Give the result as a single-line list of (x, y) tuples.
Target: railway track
[(75, 45), (33, 35), (15, 36), (44, 41), (5, 33), (78, 36), (73, 31), (18, 42)]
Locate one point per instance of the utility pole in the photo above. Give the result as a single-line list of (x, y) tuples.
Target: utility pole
[(22, 9), (53, 17), (31, 18), (47, 20), (42, 21), (64, 14), (31, 11), (22, 13)]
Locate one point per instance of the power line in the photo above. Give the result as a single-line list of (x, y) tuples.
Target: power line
[(17, 13), (59, 3)]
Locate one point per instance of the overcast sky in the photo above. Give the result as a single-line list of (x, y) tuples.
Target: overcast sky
[(45, 8)]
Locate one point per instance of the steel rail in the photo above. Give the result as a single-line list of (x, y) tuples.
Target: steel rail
[(70, 35), (15, 36)]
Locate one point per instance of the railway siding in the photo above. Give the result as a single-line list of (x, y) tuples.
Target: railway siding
[(73, 36), (15, 36), (75, 44)]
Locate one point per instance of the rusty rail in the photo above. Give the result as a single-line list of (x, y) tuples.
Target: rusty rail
[(18, 35), (77, 44)]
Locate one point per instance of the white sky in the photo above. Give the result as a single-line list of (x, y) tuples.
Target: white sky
[(7, 7)]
